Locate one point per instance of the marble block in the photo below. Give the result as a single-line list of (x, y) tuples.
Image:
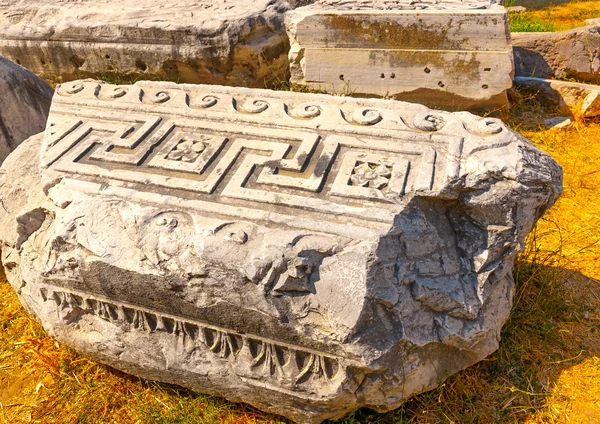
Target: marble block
[(448, 54), (306, 254), (230, 42)]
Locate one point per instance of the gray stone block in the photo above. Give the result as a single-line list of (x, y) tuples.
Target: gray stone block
[(230, 42), (574, 53), (446, 55), (306, 254)]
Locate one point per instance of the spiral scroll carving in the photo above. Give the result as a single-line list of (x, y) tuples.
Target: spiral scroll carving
[(160, 97), (256, 106), (117, 92), (207, 101), (489, 126), (366, 116), (74, 88), (429, 121), (307, 111)]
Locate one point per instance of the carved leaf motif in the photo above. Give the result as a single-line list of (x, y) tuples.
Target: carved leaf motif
[(269, 358), (223, 344), (316, 367)]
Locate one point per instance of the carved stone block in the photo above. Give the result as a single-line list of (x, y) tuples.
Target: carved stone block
[(230, 42), (446, 54), (306, 254), (24, 104)]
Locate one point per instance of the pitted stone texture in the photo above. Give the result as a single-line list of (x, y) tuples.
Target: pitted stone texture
[(306, 254), (438, 54), (574, 53), (581, 100), (232, 42), (24, 104)]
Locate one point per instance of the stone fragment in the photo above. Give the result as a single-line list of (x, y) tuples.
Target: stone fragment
[(581, 100), (574, 53), (24, 104), (442, 54), (316, 255), (557, 122), (231, 42), (516, 9)]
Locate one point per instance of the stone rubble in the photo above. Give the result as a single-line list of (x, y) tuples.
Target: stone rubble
[(306, 254), (581, 100)]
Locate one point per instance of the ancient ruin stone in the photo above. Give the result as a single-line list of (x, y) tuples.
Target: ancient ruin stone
[(446, 54), (24, 104), (580, 100), (231, 42), (574, 53), (306, 254)]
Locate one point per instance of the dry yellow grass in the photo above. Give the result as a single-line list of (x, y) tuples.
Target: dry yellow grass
[(546, 370), (559, 17)]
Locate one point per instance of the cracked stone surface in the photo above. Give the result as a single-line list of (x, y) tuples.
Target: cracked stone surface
[(24, 104), (447, 54), (318, 255)]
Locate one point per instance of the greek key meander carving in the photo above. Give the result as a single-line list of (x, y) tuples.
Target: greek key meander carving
[(263, 358), (313, 159)]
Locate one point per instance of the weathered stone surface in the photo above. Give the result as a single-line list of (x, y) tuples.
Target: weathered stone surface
[(306, 254), (582, 100), (557, 122), (232, 42), (441, 54), (573, 53), (24, 104)]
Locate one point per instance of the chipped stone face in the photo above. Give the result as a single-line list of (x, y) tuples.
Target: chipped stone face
[(24, 104), (303, 253), (230, 42), (445, 54)]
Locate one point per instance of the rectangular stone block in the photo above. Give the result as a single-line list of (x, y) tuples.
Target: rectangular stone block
[(230, 42), (446, 55)]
